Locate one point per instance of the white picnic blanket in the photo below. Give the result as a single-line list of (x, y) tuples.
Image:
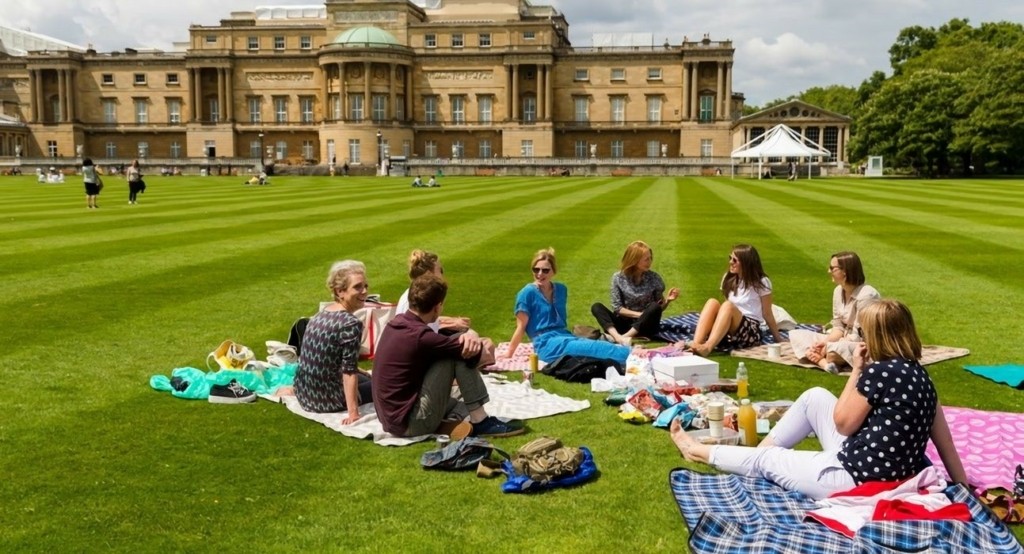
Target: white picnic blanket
[(509, 400)]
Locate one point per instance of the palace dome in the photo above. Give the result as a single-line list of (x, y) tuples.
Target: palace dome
[(366, 36)]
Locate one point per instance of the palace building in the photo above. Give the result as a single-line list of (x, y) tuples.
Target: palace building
[(354, 80)]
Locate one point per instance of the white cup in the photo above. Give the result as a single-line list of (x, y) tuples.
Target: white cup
[(716, 413), (774, 351)]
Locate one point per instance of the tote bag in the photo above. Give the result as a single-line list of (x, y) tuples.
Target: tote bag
[(375, 316)]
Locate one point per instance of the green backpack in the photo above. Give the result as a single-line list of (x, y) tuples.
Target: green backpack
[(545, 459)]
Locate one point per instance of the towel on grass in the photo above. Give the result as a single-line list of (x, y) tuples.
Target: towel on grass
[(1009, 374), (930, 354), (991, 445), (508, 401), (729, 513)]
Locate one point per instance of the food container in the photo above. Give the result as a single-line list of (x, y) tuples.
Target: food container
[(703, 436)]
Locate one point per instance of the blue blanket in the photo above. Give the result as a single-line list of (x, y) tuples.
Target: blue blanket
[(1010, 374), (681, 327), (728, 513)]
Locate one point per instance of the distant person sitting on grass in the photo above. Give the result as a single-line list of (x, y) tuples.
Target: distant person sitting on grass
[(433, 182), (417, 182), (414, 366), (877, 429)]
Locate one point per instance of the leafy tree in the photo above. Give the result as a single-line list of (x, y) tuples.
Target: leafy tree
[(991, 136), (910, 43), (835, 98)]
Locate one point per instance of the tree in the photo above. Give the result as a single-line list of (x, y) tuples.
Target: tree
[(834, 98), (910, 43), (991, 135)]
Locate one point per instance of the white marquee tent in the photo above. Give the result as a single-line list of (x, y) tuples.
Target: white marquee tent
[(779, 142)]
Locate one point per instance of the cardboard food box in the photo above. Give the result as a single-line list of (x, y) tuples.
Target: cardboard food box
[(697, 371)]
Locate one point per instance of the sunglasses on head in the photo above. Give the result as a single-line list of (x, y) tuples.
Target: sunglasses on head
[(544, 270)]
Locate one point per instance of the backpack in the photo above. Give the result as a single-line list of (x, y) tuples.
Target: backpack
[(580, 369), (545, 459)]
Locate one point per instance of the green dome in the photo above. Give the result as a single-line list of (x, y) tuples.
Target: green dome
[(366, 36)]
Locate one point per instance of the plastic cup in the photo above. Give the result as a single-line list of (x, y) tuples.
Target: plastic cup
[(774, 351)]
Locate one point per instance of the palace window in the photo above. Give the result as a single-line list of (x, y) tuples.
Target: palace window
[(175, 150), (485, 149), (618, 74), (172, 79), (618, 109), (355, 107), (254, 149), (211, 39), (526, 148), (529, 108), (306, 109), (278, 43), (139, 79), (485, 107), (380, 107), (707, 148), (281, 109), (581, 75), (109, 110), (281, 150), (307, 150), (707, 107), (529, 35), (141, 111), (458, 109), (580, 149), (255, 103), (253, 43), (174, 111), (430, 149), (618, 148), (111, 150), (430, 40), (142, 148), (457, 40), (484, 40), (430, 109), (306, 42), (400, 107), (653, 148), (458, 149), (653, 73), (581, 105), (830, 142), (214, 110), (107, 79), (654, 109), (353, 151)]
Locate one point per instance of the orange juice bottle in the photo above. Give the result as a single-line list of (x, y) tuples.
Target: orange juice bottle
[(747, 422), (742, 381)]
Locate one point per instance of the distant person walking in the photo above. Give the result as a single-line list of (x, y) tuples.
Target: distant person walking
[(93, 183), (134, 175)]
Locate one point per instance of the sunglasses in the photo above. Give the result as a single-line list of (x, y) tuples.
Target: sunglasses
[(544, 270), (734, 260)]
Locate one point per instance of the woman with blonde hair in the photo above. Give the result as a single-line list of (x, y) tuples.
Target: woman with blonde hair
[(748, 304), (834, 350), (328, 378), (877, 429), (540, 313), (638, 297), (422, 262)]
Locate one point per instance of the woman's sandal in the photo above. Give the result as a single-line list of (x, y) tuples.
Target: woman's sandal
[(999, 501)]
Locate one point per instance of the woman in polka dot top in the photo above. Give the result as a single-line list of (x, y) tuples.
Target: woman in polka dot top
[(876, 430)]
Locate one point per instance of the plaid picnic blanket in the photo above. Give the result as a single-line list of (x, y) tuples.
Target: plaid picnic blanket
[(729, 513), (681, 327)]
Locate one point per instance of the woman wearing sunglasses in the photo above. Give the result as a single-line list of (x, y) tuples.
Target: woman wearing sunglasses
[(541, 315), (748, 304), (834, 351)]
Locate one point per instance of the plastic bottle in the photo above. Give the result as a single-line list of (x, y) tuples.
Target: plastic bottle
[(530, 371), (741, 380), (747, 422)]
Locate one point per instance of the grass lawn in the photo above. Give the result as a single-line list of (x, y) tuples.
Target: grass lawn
[(93, 303)]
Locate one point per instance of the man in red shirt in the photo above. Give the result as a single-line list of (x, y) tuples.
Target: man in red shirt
[(414, 366)]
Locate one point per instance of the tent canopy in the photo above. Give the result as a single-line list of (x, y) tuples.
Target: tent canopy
[(780, 141)]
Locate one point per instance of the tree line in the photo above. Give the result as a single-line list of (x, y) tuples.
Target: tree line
[(954, 103)]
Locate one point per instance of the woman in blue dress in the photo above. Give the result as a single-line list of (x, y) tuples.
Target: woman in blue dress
[(541, 316)]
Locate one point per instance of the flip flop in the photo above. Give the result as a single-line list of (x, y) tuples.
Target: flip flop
[(999, 502)]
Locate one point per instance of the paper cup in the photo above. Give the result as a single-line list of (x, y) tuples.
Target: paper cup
[(774, 351), (716, 413)]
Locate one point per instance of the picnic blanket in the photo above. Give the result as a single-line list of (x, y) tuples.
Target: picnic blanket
[(1009, 374), (508, 401), (681, 327), (519, 362), (991, 445), (930, 354), (729, 513)]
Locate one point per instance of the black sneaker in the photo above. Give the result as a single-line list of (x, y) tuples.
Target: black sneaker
[(231, 393), (494, 427)]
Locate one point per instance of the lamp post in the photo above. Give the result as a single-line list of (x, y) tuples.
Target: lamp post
[(259, 166), (380, 153)]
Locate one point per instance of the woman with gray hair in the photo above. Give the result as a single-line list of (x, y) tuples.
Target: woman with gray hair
[(328, 378)]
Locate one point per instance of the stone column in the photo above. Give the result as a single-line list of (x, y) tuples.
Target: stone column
[(694, 108), (728, 91), (61, 96), (39, 95), (685, 103), (549, 92), (389, 113), (72, 95), (367, 67), (220, 94), (325, 75), (33, 103), (229, 95), (342, 91), (515, 92), (541, 90), (197, 94), (720, 91), (408, 93)]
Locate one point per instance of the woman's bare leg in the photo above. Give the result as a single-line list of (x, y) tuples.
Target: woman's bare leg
[(727, 319), (689, 448)]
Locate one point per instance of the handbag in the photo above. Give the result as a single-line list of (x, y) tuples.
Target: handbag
[(230, 355), (375, 317)]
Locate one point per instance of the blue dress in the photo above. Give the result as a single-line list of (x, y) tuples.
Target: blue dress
[(548, 328)]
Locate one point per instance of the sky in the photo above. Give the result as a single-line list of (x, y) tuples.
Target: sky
[(783, 47)]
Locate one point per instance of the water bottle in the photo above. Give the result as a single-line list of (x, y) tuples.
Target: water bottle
[(741, 380), (747, 422)]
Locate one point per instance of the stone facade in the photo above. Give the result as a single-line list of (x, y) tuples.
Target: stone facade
[(356, 79)]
